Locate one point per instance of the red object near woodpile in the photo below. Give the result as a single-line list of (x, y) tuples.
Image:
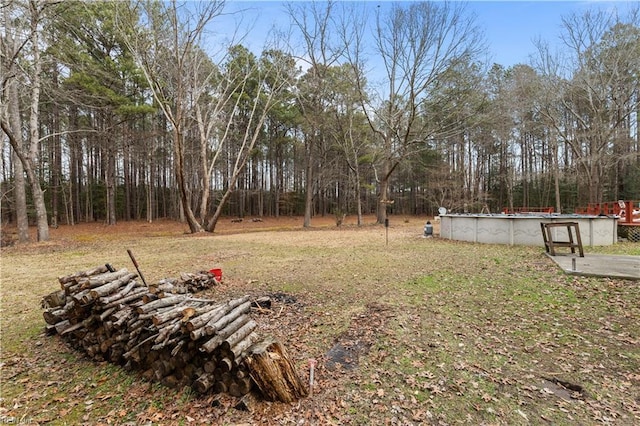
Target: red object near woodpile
[(217, 273)]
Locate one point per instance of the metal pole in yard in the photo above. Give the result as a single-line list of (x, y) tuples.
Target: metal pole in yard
[(386, 228)]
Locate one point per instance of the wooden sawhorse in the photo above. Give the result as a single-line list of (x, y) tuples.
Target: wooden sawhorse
[(550, 244)]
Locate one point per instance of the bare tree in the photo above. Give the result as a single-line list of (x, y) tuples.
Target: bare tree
[(323, 49), (22, 66), (416, 45), (592, 91), (352, 136), (349, 129), (263, 85), (192, 90), (164, 39), (11, 107)]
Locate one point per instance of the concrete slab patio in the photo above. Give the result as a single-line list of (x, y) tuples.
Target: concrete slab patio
[(600, 265)]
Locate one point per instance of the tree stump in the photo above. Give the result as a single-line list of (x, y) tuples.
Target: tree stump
[(274, 373)]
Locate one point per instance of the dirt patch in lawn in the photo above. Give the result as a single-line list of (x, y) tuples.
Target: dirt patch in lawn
[(363, 332)]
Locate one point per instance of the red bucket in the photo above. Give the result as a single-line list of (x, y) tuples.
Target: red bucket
[(217, 273)]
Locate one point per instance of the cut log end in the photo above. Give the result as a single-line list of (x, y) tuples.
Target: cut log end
[(274, 373)]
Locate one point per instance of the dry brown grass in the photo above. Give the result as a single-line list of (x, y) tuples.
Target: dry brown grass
[(454, 333)]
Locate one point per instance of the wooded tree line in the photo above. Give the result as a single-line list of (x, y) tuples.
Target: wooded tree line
[(137, 110)]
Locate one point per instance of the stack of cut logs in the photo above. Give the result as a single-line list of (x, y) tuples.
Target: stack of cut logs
[(174, 339), (187, 283)]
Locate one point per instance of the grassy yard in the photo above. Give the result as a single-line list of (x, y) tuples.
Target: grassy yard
[(434, 331)]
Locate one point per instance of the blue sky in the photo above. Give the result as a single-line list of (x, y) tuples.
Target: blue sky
[(510, 26)]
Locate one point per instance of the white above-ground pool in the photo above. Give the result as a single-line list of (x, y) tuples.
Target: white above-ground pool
[(524, 229)]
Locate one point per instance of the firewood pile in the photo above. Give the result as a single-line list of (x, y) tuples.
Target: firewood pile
[(169, 335), (187, 283)]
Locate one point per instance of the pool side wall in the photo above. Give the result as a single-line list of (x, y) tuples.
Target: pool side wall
[(525, 229)]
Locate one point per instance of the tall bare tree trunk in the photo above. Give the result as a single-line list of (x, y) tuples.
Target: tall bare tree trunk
[(383, 202), (28, 155), (56, 171), (75, 209), (42, 222), (194, 225), (308, 200), (150, 181), (22, 221), (358, 191), (55, 150), (556, 173), (110, 184)]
